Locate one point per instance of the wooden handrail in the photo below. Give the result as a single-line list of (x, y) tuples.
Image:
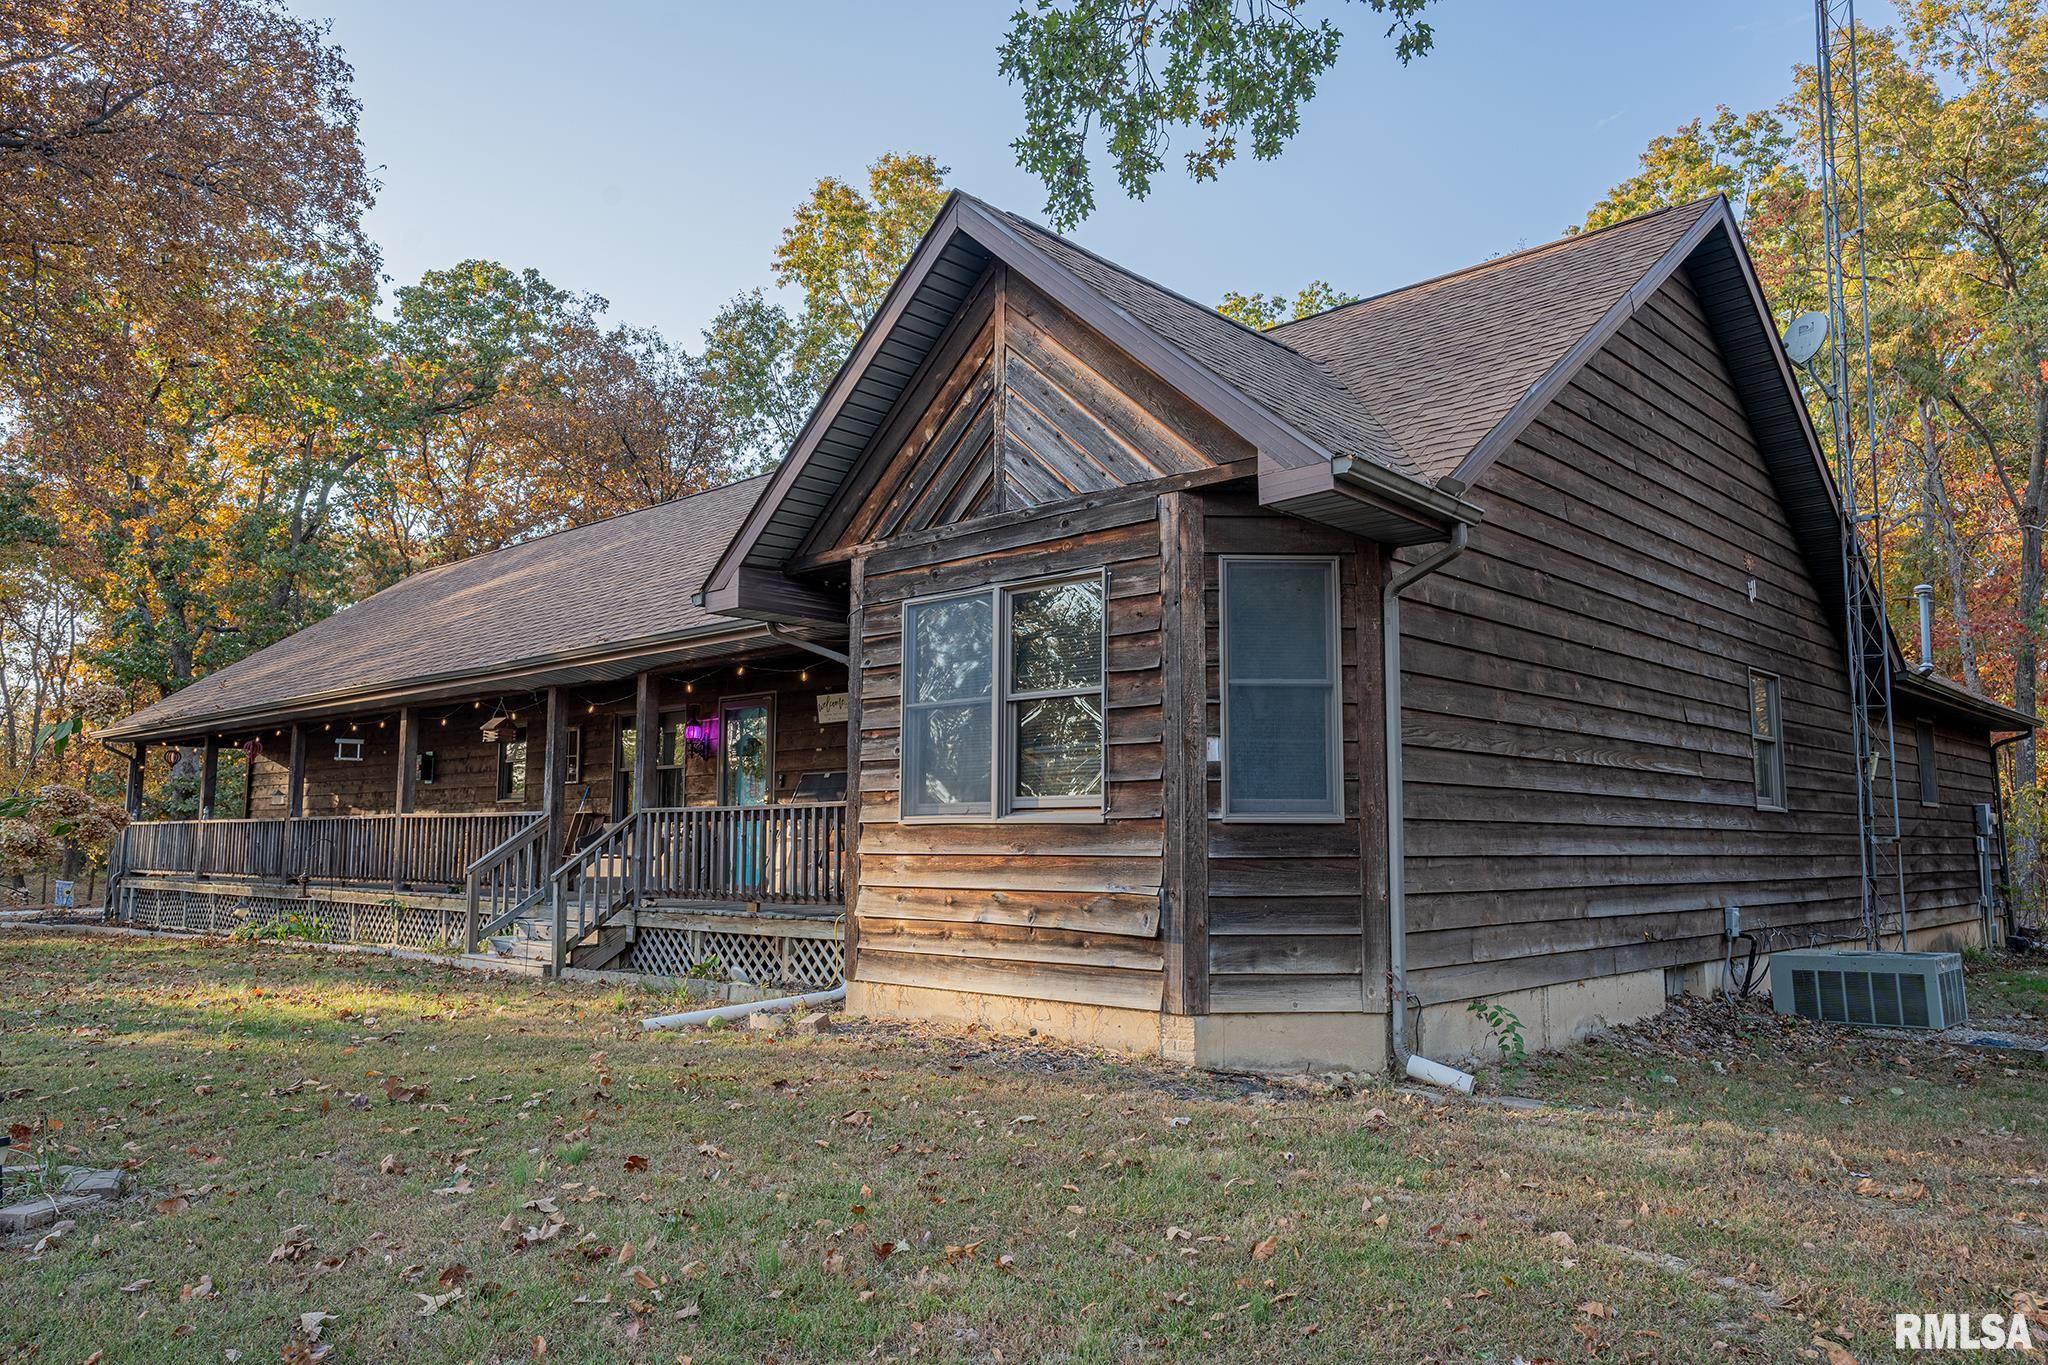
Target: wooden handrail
[(505, 882)]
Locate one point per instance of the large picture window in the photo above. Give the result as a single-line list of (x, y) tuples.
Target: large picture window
[(1002, 701), (1282, 745)]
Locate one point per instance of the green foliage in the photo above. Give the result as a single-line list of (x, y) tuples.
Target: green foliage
[(1504, 1026), (768, 365), (291, 928), (1746, 157), (1225, 70), (1262, 311)]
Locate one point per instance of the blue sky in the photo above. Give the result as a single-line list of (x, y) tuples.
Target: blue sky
[(651, 152)]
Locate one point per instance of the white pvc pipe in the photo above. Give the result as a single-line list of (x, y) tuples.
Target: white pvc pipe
[(693, 1018), (1436, 1073)]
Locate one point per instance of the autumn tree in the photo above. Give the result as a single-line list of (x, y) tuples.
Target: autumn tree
[(1226, 72), (769, 364), (1261, 311), (160, 162)]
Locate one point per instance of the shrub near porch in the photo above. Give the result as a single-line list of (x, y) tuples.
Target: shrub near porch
[(459, 1167)]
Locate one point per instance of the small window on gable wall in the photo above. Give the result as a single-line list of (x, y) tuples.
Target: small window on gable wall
[(1930, 770), (1282, 715), (1767, 741)]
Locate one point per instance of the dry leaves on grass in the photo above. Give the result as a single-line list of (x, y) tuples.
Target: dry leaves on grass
[(398, 1092), (391, 1165)]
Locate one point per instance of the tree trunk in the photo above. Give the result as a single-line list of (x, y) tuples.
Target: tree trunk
[(1937, 510)]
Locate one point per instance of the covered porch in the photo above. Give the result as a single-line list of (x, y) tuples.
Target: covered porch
[(532, 821)]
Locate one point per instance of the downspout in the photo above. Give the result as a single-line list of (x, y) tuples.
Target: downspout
[(1397, 903)]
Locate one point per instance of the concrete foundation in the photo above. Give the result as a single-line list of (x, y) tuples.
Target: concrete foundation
[(1551, 1016), (1276, 1043)]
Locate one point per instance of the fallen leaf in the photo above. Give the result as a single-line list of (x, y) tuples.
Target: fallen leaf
[(391, 1165), (431, 1304), (136, 1286), (176, 1203), (635, 1164), (1263, 1250), (311, 1323)]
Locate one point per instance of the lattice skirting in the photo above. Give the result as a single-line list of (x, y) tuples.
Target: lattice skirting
[(796, 957), (220, 910)]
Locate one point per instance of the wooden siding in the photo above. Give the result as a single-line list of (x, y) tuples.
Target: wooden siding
[(1017, 406), (1296, 911), (1579, 784), (1079, 417), (1043, 910)]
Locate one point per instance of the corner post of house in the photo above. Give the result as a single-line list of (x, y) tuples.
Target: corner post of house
[(555, 770), (406, 796), (1375, 563), (138, 763), (295, 775), (209, 774), (646, 737), (1184, 908), (849, 872)]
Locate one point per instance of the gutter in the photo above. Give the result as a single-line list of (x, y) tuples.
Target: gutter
[(1422, 1068)]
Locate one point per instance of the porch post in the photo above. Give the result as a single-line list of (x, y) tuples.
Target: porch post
[(209, 774), (407, 794), (555, 770), (137, 761), (646, 738), (295, 775)]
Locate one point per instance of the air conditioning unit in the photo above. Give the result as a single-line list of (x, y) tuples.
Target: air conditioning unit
[(1878, 990)]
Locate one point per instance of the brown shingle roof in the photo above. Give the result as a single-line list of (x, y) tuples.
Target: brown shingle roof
[(1441, 363), (626, 579)]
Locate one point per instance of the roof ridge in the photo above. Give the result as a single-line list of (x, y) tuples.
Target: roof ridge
[(579, 526), (1145, 280), (1555, 243), (1315, 364)]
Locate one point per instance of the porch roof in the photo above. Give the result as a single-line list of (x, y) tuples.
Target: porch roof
[(593, 602)]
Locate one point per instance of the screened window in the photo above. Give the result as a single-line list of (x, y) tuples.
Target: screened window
[(1282, 748), (1930, 773), (1767, 741), (512, 767), (1002, 701)]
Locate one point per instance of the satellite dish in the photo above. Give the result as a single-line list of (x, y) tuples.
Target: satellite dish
[(1804, 336)]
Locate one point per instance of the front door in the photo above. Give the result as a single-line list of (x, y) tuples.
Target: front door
[(747, 765), (745, 768)]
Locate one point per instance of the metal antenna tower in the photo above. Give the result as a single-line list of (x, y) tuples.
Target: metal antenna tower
[(1869, 642)]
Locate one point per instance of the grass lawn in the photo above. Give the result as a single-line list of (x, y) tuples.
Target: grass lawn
[(457, 1167)]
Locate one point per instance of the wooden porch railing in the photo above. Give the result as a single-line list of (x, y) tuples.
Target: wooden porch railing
[(782, 855), (505, 883), (788, 855), (386, 850)]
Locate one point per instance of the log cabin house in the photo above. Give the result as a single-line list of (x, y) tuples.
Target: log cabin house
[(1092, 664)]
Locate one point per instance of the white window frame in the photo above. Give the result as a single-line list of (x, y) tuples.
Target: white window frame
[(1003, 803), (1334, 797), (348, 749), (1776, 740), (572, 757)]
